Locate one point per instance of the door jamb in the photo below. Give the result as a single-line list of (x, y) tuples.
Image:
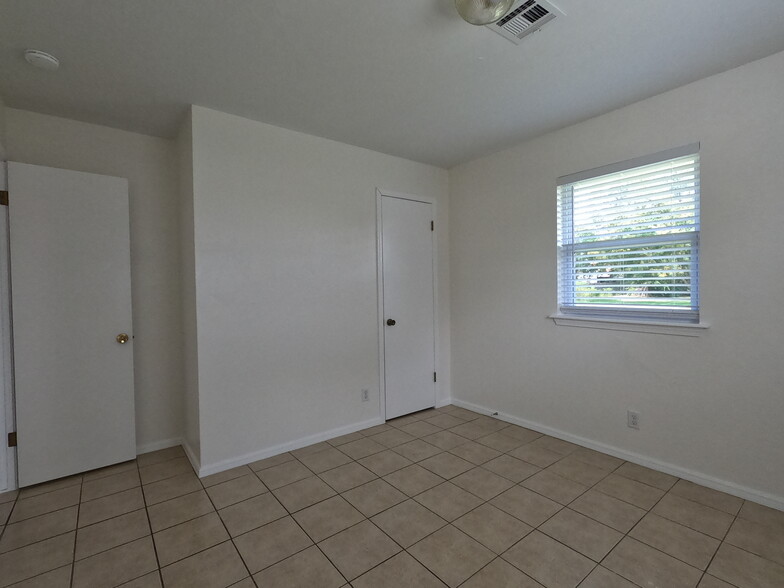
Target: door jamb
[(382, 396), (6, 354)]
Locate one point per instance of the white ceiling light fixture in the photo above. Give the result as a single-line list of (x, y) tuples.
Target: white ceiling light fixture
[(41, 60), (482, 12)]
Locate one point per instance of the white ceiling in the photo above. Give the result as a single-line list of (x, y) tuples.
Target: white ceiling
[(404, 77)]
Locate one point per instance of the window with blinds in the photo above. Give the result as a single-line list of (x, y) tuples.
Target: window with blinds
[(628, 239)]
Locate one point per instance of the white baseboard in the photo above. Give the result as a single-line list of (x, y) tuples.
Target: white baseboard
[(191, 455), (443, 402), (227, 464), (156, 445), (744, 492)]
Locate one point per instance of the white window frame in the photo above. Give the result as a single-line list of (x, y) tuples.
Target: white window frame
[(668, 320)]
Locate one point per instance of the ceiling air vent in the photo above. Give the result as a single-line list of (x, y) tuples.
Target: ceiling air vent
[(524, 18)]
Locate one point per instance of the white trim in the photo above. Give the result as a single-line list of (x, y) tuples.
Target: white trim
[(382, 392), (157, 445), (443, 402), (764, 498), (8, 414), (637, 326), (233, 462), (191, 455)]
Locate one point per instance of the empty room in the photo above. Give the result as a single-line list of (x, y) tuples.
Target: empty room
[(416, 294)]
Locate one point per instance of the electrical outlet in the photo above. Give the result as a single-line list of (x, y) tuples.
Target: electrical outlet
[(365, 395), (633, 419)]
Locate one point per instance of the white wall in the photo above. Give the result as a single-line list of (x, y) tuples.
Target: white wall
[(3, 140), (713, 405), (285, 240), (150, 164)]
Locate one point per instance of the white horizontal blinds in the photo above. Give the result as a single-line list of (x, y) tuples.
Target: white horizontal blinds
[(628, 241)]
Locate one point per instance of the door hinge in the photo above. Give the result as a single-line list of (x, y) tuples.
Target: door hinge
[(3, 197), (12, 439), (434, 377), (432, 225)]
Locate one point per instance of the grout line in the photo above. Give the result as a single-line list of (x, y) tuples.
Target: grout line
[(76, 531)]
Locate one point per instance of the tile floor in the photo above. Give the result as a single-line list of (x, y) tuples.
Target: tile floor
[(442, 497)]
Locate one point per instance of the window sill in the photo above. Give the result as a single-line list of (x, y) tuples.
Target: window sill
[(637, 326)]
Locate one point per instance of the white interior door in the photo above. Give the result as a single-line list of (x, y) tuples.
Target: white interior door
[(408, 304), (71, 299)]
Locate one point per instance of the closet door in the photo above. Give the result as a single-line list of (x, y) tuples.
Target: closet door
[(71, 309)]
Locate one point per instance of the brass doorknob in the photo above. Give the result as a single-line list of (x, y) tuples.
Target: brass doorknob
[(122, 338), (391, 322)]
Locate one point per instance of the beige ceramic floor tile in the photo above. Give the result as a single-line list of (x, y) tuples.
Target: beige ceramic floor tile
[(5, 511), (110, 470), (528, 506), (445, 421), (647, 476), (597, 459), (694, 515), (711, 582), (579, 471), (556, 445), (269, 462), (537, 456), (217, 566), (375, 430), (171, 488), (306, 569), (282, 474), (630, 491), (492, 527), (359, 548), (49, 502), (445, 440), (451, 555), (500, 574), (392, 438), (385, 462), (225, 476), (185, 539), (420, 429), (236, 490), (153, 457), (408, 522), (764, 540), (520, 433), (584, 535), (110, 485), (614, 513), (325, 460), (59, 578), (446, 465), (252, 513), (271, 543), (646, 566), (178, 510), (603, 578), (764, 515), (745, 570), (166, 469), (361, 448), (554, 487), (417, 450), (708, 497), (37, 558), (347, 476), (413, 480), (38, 528), (549, 562), (326, 518), (303, 493), (343, 439), (110, 506), (118, 565), (683, 543), (511, 468), (58, 484), (500, 442), (6, 497), (374, 497), (482, 483), (310, 449), (111, 533), (397, 571), (448, 501), (151, 580), (474, 452)]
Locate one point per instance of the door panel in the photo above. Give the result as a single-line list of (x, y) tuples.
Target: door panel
[(71, 297), (409, 344)]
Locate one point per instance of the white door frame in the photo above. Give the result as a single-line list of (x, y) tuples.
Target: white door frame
[(382, 395), (7, 424)]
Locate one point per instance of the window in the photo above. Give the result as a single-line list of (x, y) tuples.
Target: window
[(628, 239)]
